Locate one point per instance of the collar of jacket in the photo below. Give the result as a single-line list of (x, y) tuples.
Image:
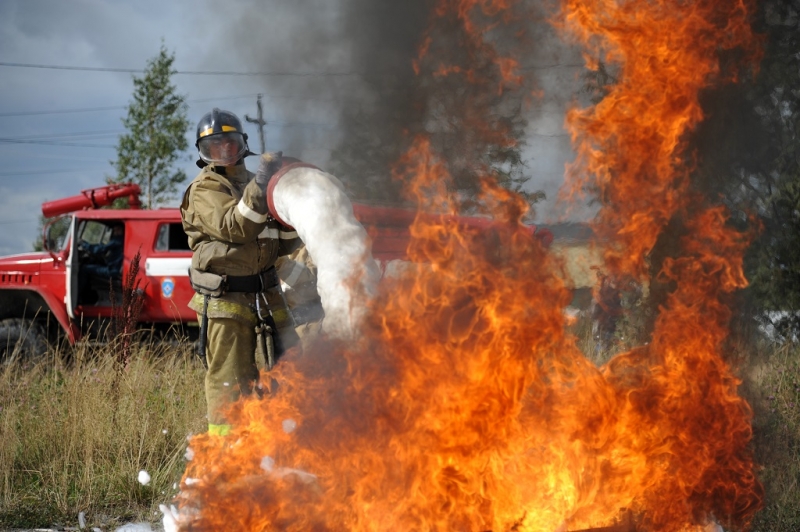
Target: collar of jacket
[(234, 173)]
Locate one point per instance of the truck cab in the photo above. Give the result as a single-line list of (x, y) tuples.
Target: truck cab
[(155, 252), (58, 293)]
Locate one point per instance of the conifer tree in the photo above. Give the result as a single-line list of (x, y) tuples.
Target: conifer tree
[(157, 123)]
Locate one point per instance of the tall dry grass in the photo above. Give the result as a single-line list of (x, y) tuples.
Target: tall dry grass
[(75, 434), (772, 385)]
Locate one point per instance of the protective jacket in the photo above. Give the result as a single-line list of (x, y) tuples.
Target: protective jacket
[(225, 217)]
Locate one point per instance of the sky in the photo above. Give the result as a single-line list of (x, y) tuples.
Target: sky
[(59, 127)]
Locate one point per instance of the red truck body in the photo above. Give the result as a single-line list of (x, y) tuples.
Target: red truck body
[(39, 290)]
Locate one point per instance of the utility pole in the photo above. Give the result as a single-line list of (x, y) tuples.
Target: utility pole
[(261, 123)]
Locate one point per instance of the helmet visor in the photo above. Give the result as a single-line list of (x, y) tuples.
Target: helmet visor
[(222, 148)]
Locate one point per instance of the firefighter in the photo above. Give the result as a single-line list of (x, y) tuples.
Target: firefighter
[(235, 244)]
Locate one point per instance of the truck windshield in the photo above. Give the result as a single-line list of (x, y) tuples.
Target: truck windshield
[(57, 233)]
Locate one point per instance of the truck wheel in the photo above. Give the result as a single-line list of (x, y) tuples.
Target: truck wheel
[(21, 338)]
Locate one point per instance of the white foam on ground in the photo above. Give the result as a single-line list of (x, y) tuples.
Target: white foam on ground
[(171, 517), (136, 527)]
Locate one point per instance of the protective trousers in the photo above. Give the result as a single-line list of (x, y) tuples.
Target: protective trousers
[(232, 368)]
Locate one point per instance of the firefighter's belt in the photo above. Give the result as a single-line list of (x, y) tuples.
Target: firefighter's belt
[(214, 285), (251, 284)]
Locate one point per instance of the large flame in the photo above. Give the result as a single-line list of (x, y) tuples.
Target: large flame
[(465, 404), (629, 145)]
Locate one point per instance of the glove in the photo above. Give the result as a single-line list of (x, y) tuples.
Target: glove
[(267, 166)]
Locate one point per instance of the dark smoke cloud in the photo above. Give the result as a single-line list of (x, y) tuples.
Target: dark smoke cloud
[(388, 105), (358, 105)]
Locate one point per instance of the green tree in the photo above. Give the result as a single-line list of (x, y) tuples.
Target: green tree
[(749, 153), (775, 179), (157, 125)]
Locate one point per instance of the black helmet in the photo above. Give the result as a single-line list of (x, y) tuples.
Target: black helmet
[(221, 139)]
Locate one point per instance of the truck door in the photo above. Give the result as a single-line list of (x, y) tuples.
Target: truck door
[(71, 298)]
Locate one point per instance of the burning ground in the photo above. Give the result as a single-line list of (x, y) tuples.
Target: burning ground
[(464, 403)]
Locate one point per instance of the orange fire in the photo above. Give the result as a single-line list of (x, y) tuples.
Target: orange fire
[(465, 404), (630, 144)]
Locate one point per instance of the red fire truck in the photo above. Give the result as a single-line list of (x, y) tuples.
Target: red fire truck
[(40, 292)]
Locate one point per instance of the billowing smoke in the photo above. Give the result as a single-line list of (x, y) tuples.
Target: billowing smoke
[(388, 106), (344, 94), (341, 73)]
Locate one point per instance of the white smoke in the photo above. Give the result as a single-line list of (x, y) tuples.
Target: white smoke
[(315, 204)]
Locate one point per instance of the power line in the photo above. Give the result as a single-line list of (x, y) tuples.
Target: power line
[(198, 100), (84, 110), (64, 139), (302, 124), (11, 222), (240, 73), (12, 173), (59, 67), (55, 143), (112, 108), (551, 66), (181, 72), (51, 136)]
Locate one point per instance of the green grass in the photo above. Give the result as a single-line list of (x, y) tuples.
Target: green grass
[(75, 435)]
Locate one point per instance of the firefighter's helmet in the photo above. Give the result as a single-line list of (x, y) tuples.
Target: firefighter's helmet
[(221, 139)]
